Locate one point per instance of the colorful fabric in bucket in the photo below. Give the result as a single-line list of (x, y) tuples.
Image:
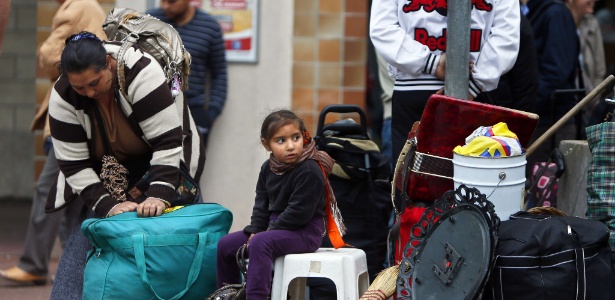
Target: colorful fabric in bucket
[(491, 141)]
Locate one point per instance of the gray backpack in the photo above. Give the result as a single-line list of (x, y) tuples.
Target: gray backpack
[(153, 36)]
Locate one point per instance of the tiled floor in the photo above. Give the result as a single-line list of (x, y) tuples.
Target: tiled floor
[(13, 224)]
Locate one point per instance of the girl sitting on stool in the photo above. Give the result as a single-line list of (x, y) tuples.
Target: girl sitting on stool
[(289, 207)]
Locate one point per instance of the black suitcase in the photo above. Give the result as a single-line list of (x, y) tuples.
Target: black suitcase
[(360, 182), (552, 257)]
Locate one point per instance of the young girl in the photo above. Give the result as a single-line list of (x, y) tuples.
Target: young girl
[(289, 206)]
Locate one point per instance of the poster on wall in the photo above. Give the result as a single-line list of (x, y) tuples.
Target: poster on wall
[(239, 22)]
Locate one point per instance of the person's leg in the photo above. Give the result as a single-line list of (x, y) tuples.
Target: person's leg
[(68, 284), (387, 146), (265, 246), (42, 227), (71, 212), (407, 108), (227, 270)]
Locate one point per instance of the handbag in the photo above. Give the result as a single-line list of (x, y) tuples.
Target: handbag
[(545, 182), (170, 256), (234, 291), (601, 177), (113, 176)]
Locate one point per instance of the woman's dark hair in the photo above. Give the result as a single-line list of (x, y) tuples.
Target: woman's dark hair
[(82, 51), (277, 119)]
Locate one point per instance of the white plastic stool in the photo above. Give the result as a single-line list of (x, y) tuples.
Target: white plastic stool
[(346, 267)]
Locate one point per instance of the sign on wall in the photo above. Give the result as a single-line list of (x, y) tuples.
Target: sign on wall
[(239, 22)]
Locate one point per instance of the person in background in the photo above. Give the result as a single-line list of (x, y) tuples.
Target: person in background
[(71, 17), (517, 88), (592, 59), (386, 83), (202, 37), (144, 131), (289, 207), (411, 37), (557, 47)]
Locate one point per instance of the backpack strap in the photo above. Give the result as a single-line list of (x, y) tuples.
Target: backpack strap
[(128, 42)]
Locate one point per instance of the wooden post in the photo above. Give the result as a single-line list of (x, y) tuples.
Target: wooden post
[(601, 89)]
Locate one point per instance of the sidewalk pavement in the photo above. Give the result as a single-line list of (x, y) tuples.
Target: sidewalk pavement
[(13, 225)]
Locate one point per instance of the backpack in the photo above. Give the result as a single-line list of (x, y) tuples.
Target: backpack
[(360, 182), (153, 36)]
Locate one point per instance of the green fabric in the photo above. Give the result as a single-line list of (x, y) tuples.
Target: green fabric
[(601, 177), (172, 256)]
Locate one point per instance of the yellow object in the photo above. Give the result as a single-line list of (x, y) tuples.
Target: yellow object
[(501, 129), (491, 141), (172, 208)]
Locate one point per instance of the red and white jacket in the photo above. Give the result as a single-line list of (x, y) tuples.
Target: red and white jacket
[(411, 35)]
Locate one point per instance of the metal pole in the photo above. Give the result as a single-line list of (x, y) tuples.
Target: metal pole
[(456, 83)]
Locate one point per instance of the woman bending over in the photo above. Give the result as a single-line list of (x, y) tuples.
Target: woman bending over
[(148, 130)]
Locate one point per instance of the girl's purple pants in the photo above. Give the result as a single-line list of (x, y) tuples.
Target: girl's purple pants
[(263, 249)]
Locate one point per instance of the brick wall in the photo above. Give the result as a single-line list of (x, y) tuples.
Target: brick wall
[(17, 94), (330, 56)]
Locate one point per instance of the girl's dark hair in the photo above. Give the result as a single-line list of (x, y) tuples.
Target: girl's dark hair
[(277, 119), (82, 51)]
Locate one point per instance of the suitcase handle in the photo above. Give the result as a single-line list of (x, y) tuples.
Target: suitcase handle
[(341, 108), (193, 274)]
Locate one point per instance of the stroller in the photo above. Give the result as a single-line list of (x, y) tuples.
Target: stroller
[(360, 182)]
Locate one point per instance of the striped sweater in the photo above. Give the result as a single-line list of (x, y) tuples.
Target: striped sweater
[(164, 123)]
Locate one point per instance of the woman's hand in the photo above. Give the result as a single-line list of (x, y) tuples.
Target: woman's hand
[(151, 207), (123, 207)]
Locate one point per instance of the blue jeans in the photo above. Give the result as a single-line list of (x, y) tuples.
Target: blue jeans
[(387, 142)]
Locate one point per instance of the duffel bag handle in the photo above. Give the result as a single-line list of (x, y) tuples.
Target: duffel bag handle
[(195, 268)]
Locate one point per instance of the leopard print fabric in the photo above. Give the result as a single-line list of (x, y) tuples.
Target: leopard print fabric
[(113, 176)]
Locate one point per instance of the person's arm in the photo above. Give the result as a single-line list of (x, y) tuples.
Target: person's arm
[(260, 211), (500, 49), (70, 143), (397, 47), (154, 109), (5, 12), (308, 193), (218, 75)]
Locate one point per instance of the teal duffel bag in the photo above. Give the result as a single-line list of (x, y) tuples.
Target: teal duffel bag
[(171, 256)]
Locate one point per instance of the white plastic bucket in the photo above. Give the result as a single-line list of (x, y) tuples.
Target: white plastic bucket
[(501, 179)]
